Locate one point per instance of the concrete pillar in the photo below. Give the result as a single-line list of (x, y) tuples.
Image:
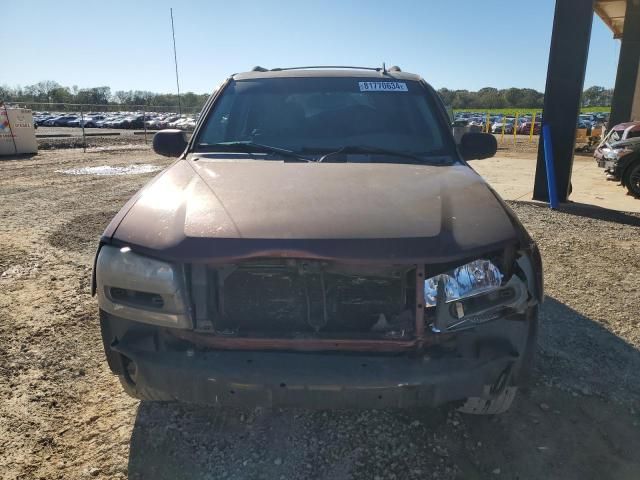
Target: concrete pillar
[(626, 94), (565, 80), (635, 106)]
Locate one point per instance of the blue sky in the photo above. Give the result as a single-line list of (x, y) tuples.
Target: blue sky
[(127, 44)]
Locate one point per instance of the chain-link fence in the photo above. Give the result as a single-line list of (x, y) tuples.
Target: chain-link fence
[(54, 120), (104, 108)]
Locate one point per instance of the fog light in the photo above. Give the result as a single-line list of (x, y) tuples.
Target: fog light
[(136, 298)]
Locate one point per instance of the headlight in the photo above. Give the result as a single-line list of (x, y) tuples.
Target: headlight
[(477, 277), (616, 153), (142, 289), (610, 154)]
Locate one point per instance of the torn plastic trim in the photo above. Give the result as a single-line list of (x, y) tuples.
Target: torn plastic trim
[(533, 273), (94, 282), (299, 345)]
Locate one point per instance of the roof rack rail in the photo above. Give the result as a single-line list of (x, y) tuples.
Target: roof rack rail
[(375, 69)]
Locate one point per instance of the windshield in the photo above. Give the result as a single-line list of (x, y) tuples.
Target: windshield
[(320, 115)]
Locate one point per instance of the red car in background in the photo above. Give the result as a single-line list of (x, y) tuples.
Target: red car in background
[(525, 128)]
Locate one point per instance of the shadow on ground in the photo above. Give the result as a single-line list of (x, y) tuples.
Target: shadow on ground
[(590, 211), (565, 426), (580, 354), (18, 156)]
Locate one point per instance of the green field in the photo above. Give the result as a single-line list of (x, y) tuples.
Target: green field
[(513, 111)]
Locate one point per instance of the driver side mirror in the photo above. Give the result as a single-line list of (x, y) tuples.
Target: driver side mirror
[(476, 146), (169, 142)]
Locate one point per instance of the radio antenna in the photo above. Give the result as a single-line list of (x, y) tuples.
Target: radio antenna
[(175, 60)]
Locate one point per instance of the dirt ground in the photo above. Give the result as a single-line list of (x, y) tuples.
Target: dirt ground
[(64, 416)]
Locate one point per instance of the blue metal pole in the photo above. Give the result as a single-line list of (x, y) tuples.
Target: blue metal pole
[(549, 164)]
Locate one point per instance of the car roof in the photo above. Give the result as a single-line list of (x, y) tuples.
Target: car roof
[(319, 72), (624, 126)]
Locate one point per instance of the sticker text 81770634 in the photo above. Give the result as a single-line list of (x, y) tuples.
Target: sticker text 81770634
[(383, 87)]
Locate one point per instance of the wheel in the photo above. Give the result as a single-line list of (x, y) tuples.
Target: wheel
[(631, 179), (497, 398)]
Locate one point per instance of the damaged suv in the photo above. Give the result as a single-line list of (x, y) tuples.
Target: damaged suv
[(320, 241)]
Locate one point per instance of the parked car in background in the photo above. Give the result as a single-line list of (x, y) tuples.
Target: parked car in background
[(51, 121), (164, 123), (92, 122), (619, 155), (154, 123), (132, 121), (64, 120), (101, 123), (42, 118), (87, 121), (498, 126), (113, 122), (119, 119), (525, 128), (622, 131), (586, 119), (184, 123)]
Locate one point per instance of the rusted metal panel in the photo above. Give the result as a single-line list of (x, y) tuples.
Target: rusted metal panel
[(308, 345)]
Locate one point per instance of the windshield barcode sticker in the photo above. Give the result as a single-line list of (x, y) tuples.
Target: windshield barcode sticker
[(383, 87)]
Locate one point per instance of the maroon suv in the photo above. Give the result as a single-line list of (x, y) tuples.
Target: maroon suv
[(320, 241)]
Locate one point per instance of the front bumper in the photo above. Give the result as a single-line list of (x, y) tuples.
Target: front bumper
[(430, 377), (279, 379), (608, 165)]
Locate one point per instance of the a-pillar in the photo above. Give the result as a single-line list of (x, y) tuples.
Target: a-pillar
[(625, 105)]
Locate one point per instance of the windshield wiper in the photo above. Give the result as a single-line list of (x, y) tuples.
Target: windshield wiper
[(373, 150), (251, 147)]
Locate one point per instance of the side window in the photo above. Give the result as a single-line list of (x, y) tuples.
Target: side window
[(218, 122), (634, 134)]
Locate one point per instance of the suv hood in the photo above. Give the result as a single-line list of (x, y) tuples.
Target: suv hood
[(224, 209)]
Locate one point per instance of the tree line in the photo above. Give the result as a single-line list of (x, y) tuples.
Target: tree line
[(516, 98), (52, 92)]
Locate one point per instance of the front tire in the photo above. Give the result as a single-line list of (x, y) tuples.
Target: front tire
[(497, 398), (631, 179)]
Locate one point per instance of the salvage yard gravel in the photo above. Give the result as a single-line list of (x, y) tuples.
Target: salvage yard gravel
[(64, 416)]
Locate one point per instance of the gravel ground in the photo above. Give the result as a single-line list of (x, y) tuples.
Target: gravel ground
[(63, 416), (521, 145)]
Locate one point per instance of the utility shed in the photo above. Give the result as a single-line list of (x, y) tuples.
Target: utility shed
[(17, 134)]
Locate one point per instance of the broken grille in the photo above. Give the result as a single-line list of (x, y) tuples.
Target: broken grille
[(291, 298)]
